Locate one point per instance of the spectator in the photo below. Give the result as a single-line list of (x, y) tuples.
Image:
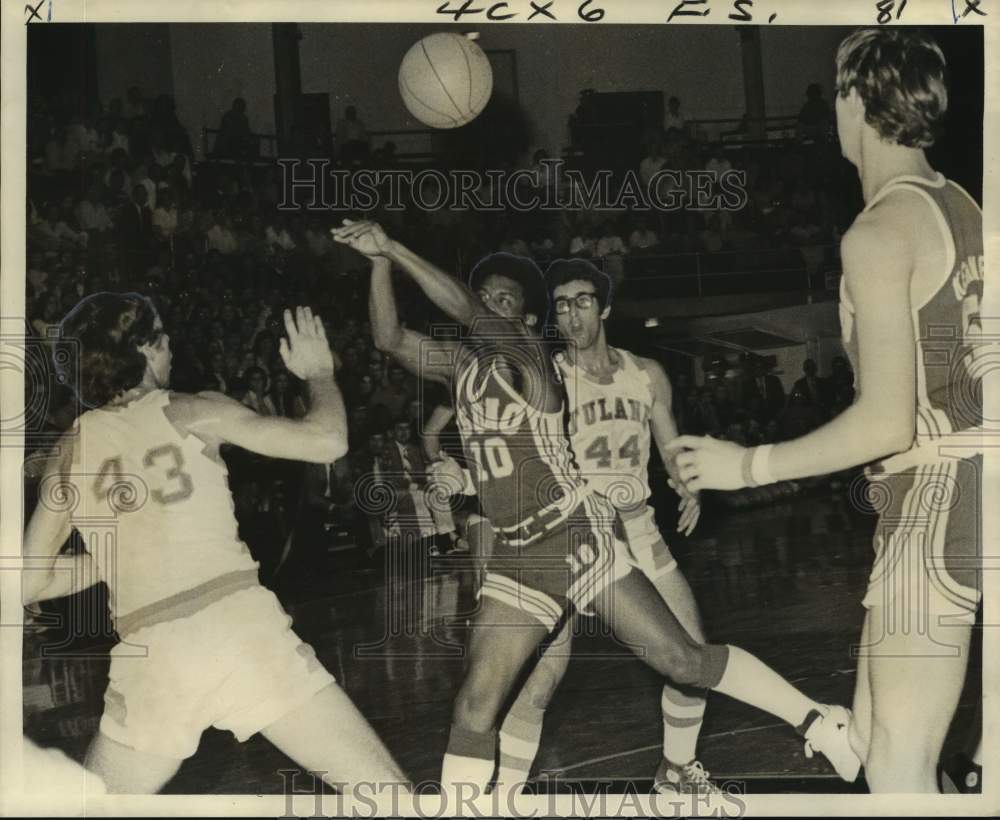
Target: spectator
[(256, 397), (318, 238), (219, 236), (673, 119), (56, 233), (759, 382), (814, 117), (286, 397), (643, 238), (277, 234), (654, 161), (91, 215), (816, 390), (352, 137), (800, 417), (135, 106), (235, 140), (165, 216), (395, 394)]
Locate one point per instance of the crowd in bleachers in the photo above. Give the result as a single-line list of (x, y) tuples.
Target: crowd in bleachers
[(115, 201)]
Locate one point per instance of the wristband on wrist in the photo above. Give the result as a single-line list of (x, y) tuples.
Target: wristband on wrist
[(746, 467)]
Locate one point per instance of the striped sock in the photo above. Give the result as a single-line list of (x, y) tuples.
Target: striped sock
[(519, 737), (682, 719), (470, 758)]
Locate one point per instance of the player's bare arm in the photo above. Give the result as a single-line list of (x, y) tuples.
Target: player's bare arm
[(320, 436), (455, 299), (424, 357), (438, 420), (878, 260), (664, 429)]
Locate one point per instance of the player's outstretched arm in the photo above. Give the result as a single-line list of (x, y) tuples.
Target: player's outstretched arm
[(878, 260), (448, 293), (424, 357), (664, 429), (320, 436)]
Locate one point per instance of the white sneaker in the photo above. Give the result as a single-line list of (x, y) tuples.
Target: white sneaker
[(828, 735)]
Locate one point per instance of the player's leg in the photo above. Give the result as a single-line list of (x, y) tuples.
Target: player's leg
[(683, 708), (125, 770), (521, 730), (860, 730), (501, 640), (912, 675), (639, 618), (329, 736)]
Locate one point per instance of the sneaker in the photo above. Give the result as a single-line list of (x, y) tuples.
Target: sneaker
[(690, 778), (828, 735), (959, 775)]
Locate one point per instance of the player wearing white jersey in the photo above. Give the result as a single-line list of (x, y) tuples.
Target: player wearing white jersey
[(618, 403), (202, 643)]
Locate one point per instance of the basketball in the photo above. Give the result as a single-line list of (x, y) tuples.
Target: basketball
[(445, 80)]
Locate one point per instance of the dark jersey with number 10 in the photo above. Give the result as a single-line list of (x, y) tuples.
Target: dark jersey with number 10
[(519, 456)]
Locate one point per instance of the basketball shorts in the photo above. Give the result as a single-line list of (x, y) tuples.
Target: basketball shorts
[(644, 546), (928, 543), (236, 665), (575, 561)]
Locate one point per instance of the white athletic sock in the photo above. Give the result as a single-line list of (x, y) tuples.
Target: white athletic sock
[(752, 681)]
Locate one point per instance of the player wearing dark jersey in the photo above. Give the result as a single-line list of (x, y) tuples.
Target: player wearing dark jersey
[(555, 538), (910, 302)]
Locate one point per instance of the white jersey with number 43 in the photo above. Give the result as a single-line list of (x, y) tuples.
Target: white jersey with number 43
[(609, 429), (153, 506)]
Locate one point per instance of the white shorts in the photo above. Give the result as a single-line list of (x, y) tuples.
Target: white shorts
[(236, 665), (646, 549)]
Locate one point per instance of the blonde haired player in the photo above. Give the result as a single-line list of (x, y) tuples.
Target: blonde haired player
[(910, 301), (202, 642)]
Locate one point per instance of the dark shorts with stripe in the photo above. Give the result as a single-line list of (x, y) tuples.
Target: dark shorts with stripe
[(928, 544), (573, 562)]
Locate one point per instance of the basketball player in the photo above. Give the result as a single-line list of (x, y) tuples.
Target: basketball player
[(202, 642), (616, 399), (554, 537), (909, 309)]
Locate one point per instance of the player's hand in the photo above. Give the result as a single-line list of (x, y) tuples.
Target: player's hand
[(690, 510), (447, 473), (368, 238), (305, 351), (705, 463)]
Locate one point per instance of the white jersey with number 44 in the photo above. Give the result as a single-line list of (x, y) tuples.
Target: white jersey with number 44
[(609, 429)]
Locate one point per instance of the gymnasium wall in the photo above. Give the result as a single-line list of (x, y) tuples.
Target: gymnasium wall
[(212, 65), (206, 65), (133, 54)]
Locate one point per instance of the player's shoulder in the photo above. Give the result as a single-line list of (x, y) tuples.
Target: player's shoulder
[(650, 367), (881, 240)]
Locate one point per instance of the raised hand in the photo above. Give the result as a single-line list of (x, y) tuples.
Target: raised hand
[(366, 237), (306, 351)]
